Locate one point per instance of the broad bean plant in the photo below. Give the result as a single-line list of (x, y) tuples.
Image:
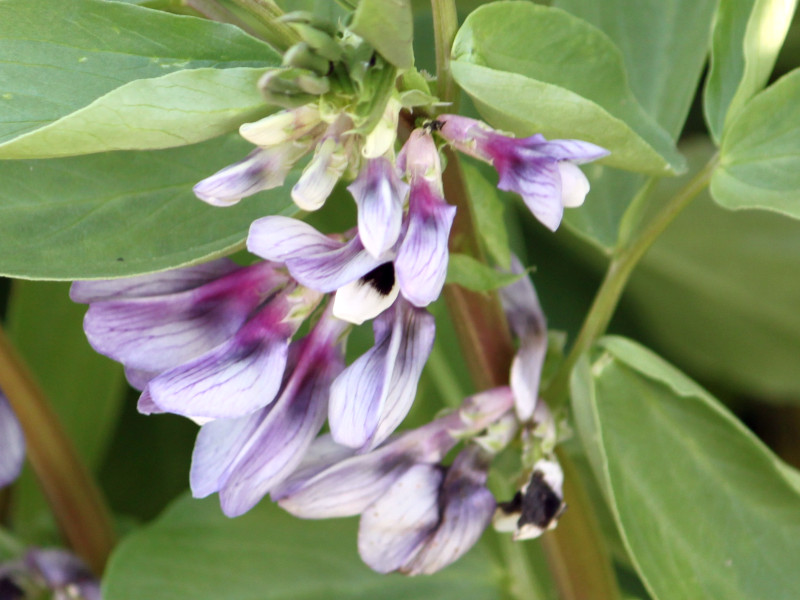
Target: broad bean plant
[(354, 299)]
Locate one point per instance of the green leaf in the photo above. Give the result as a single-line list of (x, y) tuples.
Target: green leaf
[(474, 275), (655, 38), (121, 213), (98, 51), (388, 26), (181, 108), (193, 552), (704, 508), (664, 45), (718, 293), (760, 154), (748, 34), (534, 69), (85, 389), (488, 210)]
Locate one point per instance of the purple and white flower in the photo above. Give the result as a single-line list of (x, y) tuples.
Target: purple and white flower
[(244, 458), (374, 394), (49, 572), (205, 342), (334, 481), (366, 285), (429, 517), (12, 443), (543, 172)]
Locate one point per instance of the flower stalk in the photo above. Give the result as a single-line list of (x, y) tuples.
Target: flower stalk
[(74, 497), (623, 261), (445, 26)]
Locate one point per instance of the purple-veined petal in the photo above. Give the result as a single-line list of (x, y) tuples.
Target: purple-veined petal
[(528, 323), (12, 443), (320, 176), (322, 454), (367, 297), (466, 508), (156, 333), (312, 258), (574, 151), (260, 170), (379, 194), (421, 263), (138, 378), (282, 126), (374, 394), (235, 378), (394, 528), (145, 404), (152, 284), (539, 183)]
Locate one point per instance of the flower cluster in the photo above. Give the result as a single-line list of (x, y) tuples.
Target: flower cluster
[(218, 343)]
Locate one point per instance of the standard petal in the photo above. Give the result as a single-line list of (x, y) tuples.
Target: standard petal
[(282, 126), (312, 258), (156, 333), (235, 378), (12, 443), (575, 151), (421, 263), (399, 523), (281, 440), (466, 508), (379, 194), (153, 284), (538, 181)]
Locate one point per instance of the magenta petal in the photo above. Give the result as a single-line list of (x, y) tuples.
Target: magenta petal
[(394, 528), (235, 378), (421, 263), (12, 443), (379, 194), (315, 260), (154, 284)]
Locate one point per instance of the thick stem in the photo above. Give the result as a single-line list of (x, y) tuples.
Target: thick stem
[(445, 26), (619, 271), (279, 35), (76, 500)]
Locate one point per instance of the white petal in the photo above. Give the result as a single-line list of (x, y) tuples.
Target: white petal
[(574, 185)]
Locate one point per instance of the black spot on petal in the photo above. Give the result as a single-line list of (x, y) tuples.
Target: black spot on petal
[(540, 504), (381, 278)]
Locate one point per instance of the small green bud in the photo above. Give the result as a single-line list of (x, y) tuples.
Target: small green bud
[(302, 56)]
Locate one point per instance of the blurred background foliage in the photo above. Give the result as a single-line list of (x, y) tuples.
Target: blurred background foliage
[(717, 296)]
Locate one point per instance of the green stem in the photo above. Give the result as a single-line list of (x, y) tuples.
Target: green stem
[(279, 35), (623, 261), (445, 26), (77, 502)]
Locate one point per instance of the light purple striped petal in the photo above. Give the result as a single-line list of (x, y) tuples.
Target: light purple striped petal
[(528, 323), (372, 396), (379, 194), (322, 454), (12, 443), (139, 379), (313, 259), (235, 378), (394, 528), (156, 333), (146, 406), (421, 263), (466, 508), (260, 170), (574, 151), (538, 181), (153, 284), (320, 175)]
